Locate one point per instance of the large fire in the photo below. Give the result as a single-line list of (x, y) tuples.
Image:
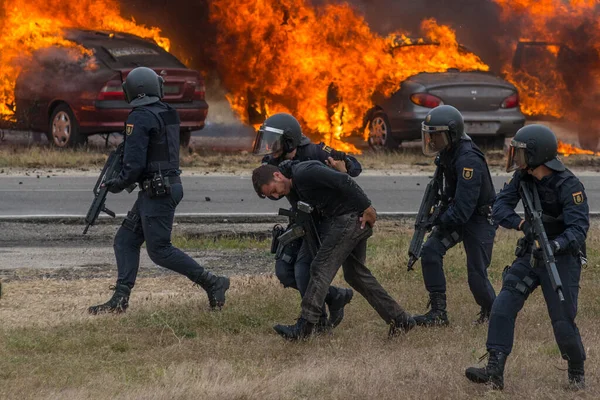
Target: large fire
[(322, 64), (29, 25)]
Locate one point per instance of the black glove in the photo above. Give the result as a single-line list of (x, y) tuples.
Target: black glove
[(527, 230), (114, 185), (538, 254)]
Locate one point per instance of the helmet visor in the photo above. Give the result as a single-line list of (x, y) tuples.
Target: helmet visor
[(268, 140), (434, 139), (516, 156)]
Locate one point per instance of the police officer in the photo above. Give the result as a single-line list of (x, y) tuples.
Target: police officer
[(468, 195), (151, 159), (280, 138), (565, 216), (349, 217)]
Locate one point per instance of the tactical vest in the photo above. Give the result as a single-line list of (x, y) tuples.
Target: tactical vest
[(487, 193), (163, 148)]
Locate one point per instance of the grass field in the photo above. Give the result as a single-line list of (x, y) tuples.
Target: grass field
[(169, 346)]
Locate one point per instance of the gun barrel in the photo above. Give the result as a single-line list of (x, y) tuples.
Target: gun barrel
[(411, 261)]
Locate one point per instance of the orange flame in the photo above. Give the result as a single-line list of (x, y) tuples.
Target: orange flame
[(567, 149), (29, 25), (322, 64)]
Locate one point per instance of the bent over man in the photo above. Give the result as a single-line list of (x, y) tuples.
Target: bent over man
[(151, 158), (280, 138), (467, 196), (561, 199), (348, 218)]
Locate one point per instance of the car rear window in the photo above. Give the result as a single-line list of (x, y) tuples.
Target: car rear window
[(124, 55)]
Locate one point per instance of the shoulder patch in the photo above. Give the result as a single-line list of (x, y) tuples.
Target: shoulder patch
[(129, 129), (578, 197), (327, 149), (467, 173)]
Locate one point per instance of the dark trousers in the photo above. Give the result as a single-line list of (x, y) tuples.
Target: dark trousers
[(345, 238), (151, 220), (477, 236), (519, 281)]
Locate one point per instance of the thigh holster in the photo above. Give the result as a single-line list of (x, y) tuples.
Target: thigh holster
[(524, 283), (132, 222)]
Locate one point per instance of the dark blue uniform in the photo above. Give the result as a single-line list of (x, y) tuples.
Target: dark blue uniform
[(151, 147), (469, 192), (293, 267), (566, 220)]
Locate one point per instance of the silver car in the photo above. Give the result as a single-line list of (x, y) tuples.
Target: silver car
[(489, 104)]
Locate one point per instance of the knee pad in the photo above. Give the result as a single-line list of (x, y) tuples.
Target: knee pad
[(285, 273)]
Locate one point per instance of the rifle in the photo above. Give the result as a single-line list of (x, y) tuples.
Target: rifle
[(111, 169), (533, 213), (430, 209), (303, 226)]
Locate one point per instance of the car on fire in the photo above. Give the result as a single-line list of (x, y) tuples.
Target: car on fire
[(70, 98), (489, 104)]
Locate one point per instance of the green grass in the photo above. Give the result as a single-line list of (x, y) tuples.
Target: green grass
[(169, 346)]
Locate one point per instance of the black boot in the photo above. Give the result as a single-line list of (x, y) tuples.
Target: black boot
[(336, 303), (401, 324), (437, 316), (324, 326), (484, 316), (118, 303), (576, 376), (215, 287), (302, 330), (492, 373)]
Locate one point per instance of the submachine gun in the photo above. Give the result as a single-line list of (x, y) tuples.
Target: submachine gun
[(430, 209), (533, 213), (302, 226), (111, 170)]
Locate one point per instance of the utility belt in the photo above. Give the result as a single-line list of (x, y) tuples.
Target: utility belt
[(159, 185)]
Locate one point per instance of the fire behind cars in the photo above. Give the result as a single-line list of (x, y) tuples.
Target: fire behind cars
[(71, 98), (489, 104)]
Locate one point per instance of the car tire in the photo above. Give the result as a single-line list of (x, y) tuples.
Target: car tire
[(184, 137), (588, 139), (380, 130), (63, 128)]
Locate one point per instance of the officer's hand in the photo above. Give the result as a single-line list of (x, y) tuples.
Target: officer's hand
[(539, 254), (114, 185), (339, 165), (527, 229), (368, 217)]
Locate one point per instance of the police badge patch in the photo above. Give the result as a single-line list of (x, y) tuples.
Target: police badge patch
[(578, 198), (327, 149), (468, 173), (129, 129)]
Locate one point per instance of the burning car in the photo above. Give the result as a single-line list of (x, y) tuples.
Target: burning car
[(73, 96), (489, 104)]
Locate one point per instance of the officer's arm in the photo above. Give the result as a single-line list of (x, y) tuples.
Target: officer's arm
[(324, 177), (353, 167), (575, 213), (470, 172), (136, 148), (506, 202)]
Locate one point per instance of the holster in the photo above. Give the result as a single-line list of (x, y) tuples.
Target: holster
[(276, 232), (159, 186)]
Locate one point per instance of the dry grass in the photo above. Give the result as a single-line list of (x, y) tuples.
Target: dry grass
[(168, 346), (409, 159)]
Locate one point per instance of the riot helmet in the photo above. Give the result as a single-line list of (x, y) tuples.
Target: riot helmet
[(143, 86), (532, 146), (443, 126), (279, 134)]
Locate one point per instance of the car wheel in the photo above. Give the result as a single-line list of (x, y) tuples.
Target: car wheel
[(63, 128), (588, 139), (185, 137), (380, 133)]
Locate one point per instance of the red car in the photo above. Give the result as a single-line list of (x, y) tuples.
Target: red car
[(71, 97)]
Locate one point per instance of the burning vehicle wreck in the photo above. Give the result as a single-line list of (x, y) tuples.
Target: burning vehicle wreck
[(71, 93)]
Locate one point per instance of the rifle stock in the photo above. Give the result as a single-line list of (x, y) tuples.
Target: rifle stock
[(429, 211), (534, 215)]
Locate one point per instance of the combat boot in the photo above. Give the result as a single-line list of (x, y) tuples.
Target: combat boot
[(323, 326), (576, 376), (118, 303), (492, 373), (437, 316), (401, 324), (336, 304), (302, 330), (215, 287), (484, 316)]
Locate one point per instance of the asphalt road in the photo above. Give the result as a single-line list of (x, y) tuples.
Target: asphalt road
[(58, 195)]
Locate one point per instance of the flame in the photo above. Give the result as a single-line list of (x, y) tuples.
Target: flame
[(550, 88), (567, 149), (29, 25), (320, 63)]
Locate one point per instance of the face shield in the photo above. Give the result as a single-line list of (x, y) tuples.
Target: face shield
[(434, 138), (268, 140), (516, 156)]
